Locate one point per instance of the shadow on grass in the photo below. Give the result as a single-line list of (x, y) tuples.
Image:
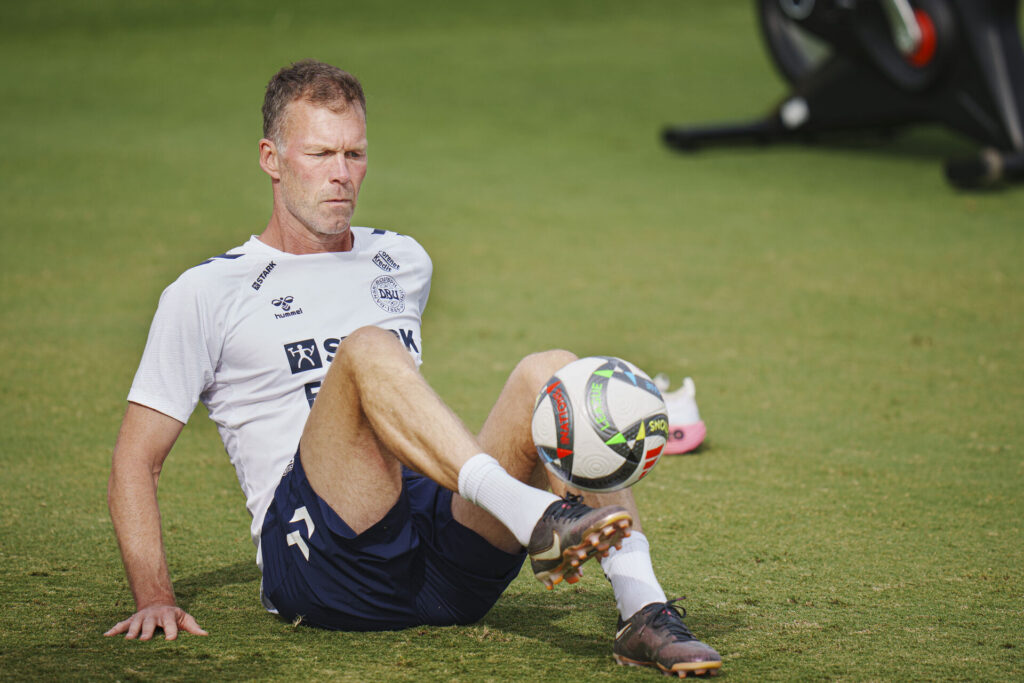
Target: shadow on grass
[(923, 142), (547, 624), (566, 622), (189, 588)]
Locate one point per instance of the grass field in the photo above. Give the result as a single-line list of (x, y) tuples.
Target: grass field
[(853, 325)]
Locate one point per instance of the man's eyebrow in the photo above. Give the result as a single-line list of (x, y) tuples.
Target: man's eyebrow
[(320, 144)]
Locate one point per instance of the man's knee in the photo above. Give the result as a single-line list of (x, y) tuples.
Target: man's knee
[(536, 369), (368, 347)]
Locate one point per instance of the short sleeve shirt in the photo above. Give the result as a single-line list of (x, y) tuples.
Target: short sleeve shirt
[(251, 333)]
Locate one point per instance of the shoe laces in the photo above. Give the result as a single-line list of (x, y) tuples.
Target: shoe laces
[(572, 507), (669, 618)]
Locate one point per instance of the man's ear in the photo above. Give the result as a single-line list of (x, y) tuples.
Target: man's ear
[(269, 159)]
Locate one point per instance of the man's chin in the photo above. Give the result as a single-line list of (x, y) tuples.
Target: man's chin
[(331, 229)]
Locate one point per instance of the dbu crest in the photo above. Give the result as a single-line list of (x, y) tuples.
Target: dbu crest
[(388, 294)]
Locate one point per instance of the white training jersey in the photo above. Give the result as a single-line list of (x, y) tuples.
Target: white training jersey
[(251, 333)]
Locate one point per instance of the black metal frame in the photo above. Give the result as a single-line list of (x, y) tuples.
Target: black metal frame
[(974, 83)]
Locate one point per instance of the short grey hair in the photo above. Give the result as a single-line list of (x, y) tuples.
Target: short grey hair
[(315, 82)]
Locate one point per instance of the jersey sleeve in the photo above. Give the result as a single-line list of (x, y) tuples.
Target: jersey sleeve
[(425, 290), (426, 266), (180, 356)]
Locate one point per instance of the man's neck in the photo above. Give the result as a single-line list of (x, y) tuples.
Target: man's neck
[(301, 240)]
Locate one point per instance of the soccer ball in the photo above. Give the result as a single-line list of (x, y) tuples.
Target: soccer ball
[(599, 424)]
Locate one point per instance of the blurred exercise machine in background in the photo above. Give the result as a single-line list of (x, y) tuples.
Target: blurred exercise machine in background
[(885, 64)]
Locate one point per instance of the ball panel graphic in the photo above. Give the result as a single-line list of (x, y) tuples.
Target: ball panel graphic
[(555, 428)]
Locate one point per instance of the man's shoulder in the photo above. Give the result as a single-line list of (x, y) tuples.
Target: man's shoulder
[(388, 244), (219, 273)]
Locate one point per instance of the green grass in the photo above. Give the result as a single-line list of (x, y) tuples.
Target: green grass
[(854, 327)]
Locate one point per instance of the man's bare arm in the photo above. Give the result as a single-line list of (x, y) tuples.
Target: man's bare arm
[(145, 439)]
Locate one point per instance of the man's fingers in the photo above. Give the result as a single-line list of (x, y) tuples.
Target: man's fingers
[(170, 627), (187, 622), (119, 628), (144, 623), (148, 627), (134, 626)]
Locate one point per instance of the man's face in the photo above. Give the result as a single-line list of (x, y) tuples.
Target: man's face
[(321, 165)]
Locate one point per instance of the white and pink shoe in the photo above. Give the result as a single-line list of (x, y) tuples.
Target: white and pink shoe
[(686, 430)]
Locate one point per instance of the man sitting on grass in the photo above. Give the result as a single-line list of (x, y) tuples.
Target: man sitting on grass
[(373, 507)]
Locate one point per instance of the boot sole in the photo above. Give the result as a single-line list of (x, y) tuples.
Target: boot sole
[(680, 669), (597, 540)]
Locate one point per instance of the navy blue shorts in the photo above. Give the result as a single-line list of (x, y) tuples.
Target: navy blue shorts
[(416, 566)]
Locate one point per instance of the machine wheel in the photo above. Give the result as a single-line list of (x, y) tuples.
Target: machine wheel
[(795, 51)]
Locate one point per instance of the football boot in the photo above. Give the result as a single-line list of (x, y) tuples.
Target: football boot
[(656, 636), (569, 533)]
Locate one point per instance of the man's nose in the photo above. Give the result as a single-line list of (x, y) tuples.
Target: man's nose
[(339, 169)]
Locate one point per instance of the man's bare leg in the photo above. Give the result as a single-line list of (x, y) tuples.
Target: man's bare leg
[(375, 412), (373, 404)]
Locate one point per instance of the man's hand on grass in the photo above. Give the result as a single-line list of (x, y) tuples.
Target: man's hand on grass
[(143, 624)]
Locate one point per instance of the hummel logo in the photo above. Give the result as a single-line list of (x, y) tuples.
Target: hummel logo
[(552, 553), (285, 303)]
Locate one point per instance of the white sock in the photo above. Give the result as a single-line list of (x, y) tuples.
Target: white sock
[(632, 577), (484, 482)]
